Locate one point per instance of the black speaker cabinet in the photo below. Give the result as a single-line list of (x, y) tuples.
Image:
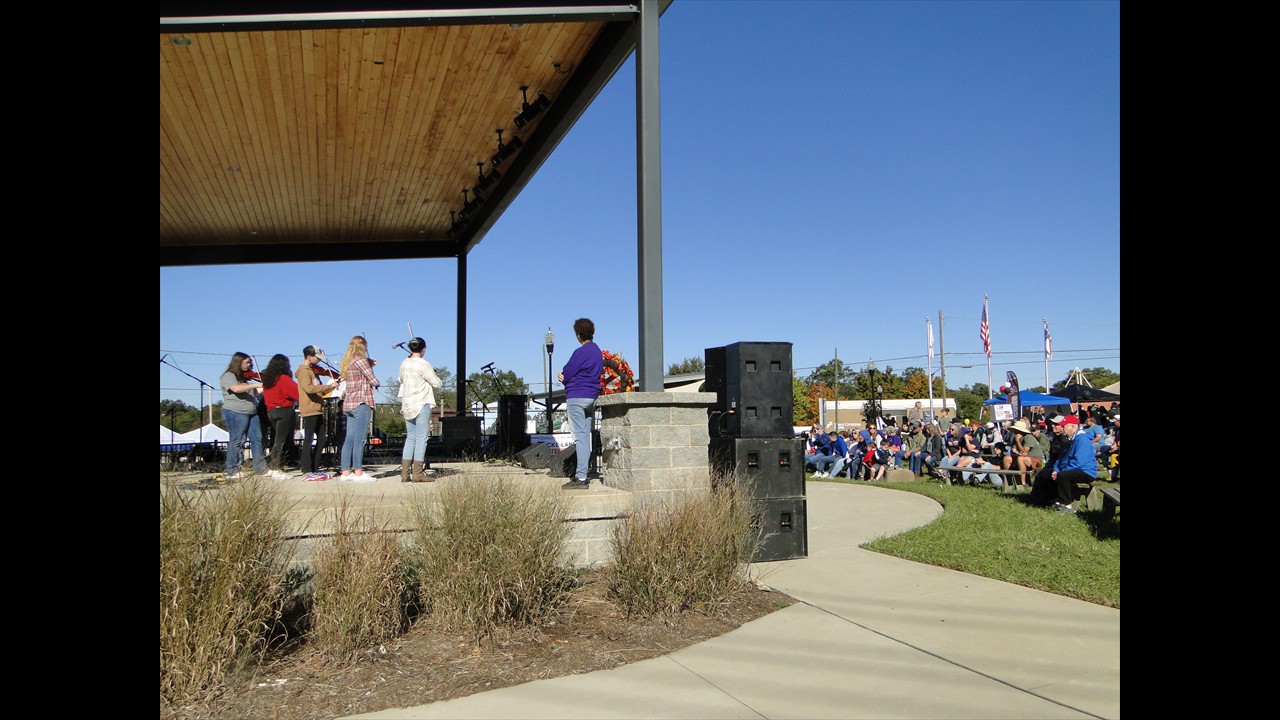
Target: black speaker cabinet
[(764, 467), (512, 422), (782, 529), (565, 462), (536, 457), (753, 380)]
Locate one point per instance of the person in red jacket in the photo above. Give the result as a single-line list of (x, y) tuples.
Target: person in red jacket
[(280, 393)]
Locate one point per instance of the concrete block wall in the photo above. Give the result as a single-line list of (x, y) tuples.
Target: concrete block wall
[(655, 442)]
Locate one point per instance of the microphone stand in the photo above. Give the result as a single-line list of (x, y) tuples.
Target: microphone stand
[(203, 385)]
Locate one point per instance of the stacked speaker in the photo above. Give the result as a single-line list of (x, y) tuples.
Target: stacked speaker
[(512, 419), (753, 444)]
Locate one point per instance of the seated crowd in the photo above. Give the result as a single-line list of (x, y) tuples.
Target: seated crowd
[(1055, 452)]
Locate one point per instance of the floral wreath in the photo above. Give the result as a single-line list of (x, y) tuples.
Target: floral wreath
[(617, 376)]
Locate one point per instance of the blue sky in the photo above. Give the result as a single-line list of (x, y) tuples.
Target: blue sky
[(832, 174)]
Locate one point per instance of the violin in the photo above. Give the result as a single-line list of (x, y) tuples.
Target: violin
[(325, 372)]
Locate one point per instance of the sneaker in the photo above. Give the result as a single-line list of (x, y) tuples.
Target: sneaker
[(1063, 508), (278, 475), (346, 476), (576, 485), (363, 478), (237, 475)]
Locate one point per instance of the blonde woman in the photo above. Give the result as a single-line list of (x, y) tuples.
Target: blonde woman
[(356, 369)]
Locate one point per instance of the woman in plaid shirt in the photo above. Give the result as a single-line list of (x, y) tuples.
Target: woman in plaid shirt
[(357, 406)]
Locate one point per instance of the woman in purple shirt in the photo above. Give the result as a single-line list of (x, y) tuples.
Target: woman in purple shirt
[(581, 379)]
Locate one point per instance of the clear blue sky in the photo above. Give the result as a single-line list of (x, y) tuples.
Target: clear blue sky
[(832, 174)]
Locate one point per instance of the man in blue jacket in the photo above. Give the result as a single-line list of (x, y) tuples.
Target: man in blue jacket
[(581, 379), (1076, 464)]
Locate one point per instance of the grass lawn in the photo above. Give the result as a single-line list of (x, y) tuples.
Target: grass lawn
[(986, 532)]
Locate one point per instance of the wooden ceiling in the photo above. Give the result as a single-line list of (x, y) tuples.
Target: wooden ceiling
[(341, 136)]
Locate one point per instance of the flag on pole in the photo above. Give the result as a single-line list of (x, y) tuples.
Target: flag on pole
[(929, 324), (1048, 342), (986, 329)]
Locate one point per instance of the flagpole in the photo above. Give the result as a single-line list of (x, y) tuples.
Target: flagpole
[(929, 327), (942, 361), (1048, 353), (986, 343)]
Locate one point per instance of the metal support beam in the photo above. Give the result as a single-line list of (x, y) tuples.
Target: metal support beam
[(649, 191), (460, 372)]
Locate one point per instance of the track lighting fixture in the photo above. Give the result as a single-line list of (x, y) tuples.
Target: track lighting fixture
[(505, 152), (531, 110)]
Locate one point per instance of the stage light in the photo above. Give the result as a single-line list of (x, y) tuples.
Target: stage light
[(533, 110), (505, 152), (485, 181)]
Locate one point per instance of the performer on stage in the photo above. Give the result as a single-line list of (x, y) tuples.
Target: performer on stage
[(280, 393), (357, 405), (311, 394), (240, 413), (417, 378)]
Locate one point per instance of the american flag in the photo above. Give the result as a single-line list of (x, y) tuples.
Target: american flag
[(986, 330), (1048, 342)]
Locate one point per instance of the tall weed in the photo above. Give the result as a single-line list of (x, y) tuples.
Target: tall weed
[(489, 553), (682, 552), (224, 556), (362, 586)]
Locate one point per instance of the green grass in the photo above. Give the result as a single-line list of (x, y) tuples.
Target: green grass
[(986, 532)]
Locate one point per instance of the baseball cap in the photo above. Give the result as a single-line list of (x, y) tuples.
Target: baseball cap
[(1057, 419), (1069, 420)]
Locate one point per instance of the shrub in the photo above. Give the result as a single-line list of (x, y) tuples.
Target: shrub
[(489, 553), (223, 561), (684, 552), (361, 587)]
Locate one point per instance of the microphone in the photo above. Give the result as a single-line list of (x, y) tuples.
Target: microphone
[(398, 345)]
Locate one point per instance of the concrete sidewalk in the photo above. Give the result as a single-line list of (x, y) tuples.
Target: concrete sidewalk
[(871, 637)]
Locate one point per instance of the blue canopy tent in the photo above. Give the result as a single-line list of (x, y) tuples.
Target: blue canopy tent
[(1028, 398)]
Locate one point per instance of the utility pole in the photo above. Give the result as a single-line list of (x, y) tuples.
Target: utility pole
[(942, 359)]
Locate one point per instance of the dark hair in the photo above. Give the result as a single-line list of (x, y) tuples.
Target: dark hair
[(237, 359), (417, 345), (278, 365), (584, 328), (309, 351)]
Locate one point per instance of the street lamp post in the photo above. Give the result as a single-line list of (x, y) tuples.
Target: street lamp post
[(550, 341)]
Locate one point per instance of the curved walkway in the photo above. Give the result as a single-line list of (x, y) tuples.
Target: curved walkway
[(872, 636)]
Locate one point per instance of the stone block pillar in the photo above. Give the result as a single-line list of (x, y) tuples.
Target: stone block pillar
[(655, 442)]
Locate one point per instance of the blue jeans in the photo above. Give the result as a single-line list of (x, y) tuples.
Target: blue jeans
[(581, 412), (240, 425), (353, 442), (835, 469), (822, 462), (996, 480), (415, 439)]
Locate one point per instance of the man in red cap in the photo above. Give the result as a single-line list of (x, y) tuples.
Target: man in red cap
[(1076, 464)]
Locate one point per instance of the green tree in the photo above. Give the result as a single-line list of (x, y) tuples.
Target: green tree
[(487, 387), (1100, 377), (687, 366), (801, 413), (835, 374), (179, 416)]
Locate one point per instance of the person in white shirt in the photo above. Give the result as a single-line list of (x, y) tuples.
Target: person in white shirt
[(417, 397)]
